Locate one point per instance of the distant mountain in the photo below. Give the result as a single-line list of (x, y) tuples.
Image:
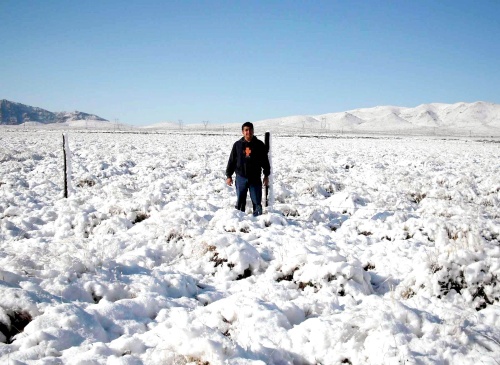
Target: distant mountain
[(478, 117), (163, 125), (12, 113)]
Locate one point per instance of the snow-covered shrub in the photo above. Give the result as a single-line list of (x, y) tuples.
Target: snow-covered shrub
[(326, 273), (469, 276), (12, 323), (233, 257), (282, 192), (85, 182)]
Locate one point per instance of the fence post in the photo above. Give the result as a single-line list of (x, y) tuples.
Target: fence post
[(65, 168), (269, 191)]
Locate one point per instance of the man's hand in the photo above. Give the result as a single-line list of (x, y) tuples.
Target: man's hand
[(266, 181), (229, 181)]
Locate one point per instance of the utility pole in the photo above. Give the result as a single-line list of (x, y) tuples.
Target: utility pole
[(180, 124), (205, 123)]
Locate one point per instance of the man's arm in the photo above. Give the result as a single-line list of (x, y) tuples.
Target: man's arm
[(231, 166), (266, 167)]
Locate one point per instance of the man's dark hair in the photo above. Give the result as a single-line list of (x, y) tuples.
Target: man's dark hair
[(247, 124)]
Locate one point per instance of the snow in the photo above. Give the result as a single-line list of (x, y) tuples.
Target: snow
[(164, 125), (376, 251), (478, 119), (460, 119)]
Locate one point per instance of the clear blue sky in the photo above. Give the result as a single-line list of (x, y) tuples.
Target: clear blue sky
[(144, 62)]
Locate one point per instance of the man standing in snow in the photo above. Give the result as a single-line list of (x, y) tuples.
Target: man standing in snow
[(248, 159)]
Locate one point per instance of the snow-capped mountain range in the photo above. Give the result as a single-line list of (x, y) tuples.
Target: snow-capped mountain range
[(460, 117), (478, 118), (12, 113)]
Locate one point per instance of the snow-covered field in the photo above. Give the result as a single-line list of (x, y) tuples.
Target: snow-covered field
[(376, 251)]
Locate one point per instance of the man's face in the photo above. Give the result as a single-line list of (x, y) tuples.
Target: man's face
[(247, 133)]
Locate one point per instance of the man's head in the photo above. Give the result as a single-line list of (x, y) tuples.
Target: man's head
[(247, 131)]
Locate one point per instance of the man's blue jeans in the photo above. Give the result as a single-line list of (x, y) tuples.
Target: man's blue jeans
[(255, 187)]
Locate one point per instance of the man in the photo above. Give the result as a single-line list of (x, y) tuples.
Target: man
[(248, 159)]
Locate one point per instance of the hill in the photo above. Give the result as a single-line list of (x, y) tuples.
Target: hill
[(480, 117), (12, 113)]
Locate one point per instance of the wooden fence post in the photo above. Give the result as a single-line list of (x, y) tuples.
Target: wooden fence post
[(65, 168)]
